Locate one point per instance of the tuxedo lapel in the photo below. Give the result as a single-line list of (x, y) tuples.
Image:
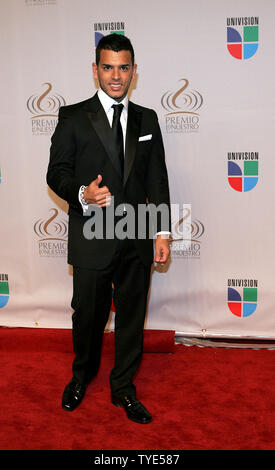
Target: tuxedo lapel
[(132, 135), (100, 123)]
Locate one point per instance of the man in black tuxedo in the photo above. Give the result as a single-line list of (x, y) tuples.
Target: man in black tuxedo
[(86, 169)]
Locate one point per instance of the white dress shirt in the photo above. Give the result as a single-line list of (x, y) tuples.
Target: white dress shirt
[(107, 103)]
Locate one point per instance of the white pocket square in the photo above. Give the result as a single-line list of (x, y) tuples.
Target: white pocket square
[(145, 137)]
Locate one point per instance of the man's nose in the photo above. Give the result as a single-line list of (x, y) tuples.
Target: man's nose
[(116, 73)]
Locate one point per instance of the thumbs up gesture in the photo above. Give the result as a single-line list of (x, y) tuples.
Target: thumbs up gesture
[(93, 194)]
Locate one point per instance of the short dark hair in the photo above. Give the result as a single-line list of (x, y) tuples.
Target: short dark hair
[(114, 42)]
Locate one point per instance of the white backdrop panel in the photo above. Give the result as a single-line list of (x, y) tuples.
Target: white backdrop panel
[(47, 49)]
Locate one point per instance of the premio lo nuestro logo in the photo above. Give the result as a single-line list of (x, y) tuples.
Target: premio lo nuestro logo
[(186, 235), (40, 2), (242, 297), (182, 107), (108, 27), (52, 235), (243, 176), (44, 108), (243, 38), (4, 290)]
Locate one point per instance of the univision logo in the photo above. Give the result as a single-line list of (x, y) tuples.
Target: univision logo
[(242, 302), (4, 290), (243, 176), (112, 27), (242, 40)]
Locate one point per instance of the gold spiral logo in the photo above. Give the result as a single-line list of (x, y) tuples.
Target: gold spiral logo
[(46, 104), (193, 230), (52, 228), (182, 101)]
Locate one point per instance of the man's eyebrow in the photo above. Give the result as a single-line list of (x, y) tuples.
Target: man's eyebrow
[(120, 65)]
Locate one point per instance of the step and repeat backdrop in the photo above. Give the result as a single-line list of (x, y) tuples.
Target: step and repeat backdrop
[(207, 68)]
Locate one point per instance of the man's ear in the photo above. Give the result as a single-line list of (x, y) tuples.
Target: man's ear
[(94, 66)]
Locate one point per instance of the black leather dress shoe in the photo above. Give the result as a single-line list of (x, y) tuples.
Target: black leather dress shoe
[(72, 396), (134, 409)]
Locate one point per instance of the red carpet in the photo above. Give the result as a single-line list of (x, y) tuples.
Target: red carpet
[(200, 398)]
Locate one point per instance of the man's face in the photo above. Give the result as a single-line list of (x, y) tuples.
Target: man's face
[(114, 73)]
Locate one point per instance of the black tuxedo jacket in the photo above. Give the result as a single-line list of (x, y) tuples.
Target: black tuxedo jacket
[(82, 147)]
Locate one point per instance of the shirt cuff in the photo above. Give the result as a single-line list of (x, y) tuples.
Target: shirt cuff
[(168, 234)]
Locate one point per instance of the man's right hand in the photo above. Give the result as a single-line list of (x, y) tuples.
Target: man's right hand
[(95, 195)]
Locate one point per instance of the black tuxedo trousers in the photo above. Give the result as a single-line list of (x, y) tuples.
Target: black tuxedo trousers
[(126, 279)]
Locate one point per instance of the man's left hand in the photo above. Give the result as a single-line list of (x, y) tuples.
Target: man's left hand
[(162, 249)]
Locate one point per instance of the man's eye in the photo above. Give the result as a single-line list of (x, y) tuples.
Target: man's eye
[(124, 68), (107, 67)]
